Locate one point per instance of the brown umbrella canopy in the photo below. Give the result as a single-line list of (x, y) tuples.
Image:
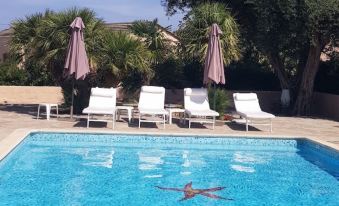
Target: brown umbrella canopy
[(76, 60), (214, 65)]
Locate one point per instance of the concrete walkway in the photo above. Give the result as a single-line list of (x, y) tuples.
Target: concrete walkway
[(13, 117)]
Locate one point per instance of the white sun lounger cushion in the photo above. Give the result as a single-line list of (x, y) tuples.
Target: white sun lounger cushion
[(99, 110), (247, 106), (102, 92), (151, 102), (246, 102), (152, 89), (101, 102), (256, 115), (202, 113), (195, 92), (245, 97), (153, 111)]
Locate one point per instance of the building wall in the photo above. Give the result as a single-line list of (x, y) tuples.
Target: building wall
[(30, 95), (326, 105), (4, 47)]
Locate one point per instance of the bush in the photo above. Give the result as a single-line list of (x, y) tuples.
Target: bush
[(38, 75), (10, 74), (193, 73), (81, 97), (169, 74), (132, 82), (327, 79), (221, 99), (248, 74)]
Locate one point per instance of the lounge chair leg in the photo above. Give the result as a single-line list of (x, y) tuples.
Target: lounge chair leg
[(118, 117), (113, 121), (129, 113), (164, 120), (246, 125), (37, 117), (87, 120), (271, 129), (213, 122), (57, 111), (48, 111), (139, 119)]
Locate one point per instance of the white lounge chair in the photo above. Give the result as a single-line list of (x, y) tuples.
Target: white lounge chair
[(197, 107), (102, 102), (247, 106), (151, 102)]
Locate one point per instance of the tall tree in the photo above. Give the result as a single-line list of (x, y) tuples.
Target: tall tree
[(153, 36), (195, 29), (44, 37), (123, 56), (290, 33)]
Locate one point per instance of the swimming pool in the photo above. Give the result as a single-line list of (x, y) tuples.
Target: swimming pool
[(103, 169)]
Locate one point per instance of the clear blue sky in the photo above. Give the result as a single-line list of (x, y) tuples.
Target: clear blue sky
[(109, 10)]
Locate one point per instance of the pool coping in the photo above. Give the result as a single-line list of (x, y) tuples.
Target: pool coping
[(14, 139)]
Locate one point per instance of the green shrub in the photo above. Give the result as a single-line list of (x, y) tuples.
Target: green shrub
[(193, 73), (38, 75), (131, 84), (221, 99), (82, 92), (327, 79), (10, 74), (250, 74), (169, 74)]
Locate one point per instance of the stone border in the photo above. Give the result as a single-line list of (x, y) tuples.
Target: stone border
[(11, 141), (16, 137)]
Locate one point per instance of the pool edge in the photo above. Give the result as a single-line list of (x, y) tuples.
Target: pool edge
[(15, 138), (11, 141)]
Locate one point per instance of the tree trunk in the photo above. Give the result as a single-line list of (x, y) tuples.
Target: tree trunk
[(279, 70), (305, 92)]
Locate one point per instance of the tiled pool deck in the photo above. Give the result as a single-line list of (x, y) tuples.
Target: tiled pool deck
[(17, 120)]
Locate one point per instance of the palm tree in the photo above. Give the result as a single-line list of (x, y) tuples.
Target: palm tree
[(194, 31), (123, 56), (153, 35), (44, 37), (24, 35)]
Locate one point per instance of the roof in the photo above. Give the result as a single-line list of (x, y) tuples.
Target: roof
[(7, 32), (329, 51), (124, 26)]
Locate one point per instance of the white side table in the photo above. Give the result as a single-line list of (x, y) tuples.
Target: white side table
[(129, 111), (174, 110), (48, 109)]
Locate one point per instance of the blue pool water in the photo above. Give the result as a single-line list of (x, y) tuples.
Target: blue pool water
[(79, 169)]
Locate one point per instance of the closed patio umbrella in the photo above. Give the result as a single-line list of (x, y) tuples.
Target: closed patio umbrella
[(214, 65), (76, 63)]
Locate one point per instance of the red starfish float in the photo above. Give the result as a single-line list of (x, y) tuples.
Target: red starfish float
[(189, 192)]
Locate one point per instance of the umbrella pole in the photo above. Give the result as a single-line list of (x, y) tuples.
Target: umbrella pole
[(214, 96), (71, 112)]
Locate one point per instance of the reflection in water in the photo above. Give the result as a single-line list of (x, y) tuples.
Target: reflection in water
[(187, 162), (249, 158), (153, 176), (96, 159), (242, 168), (246, 161), (151, 161)]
